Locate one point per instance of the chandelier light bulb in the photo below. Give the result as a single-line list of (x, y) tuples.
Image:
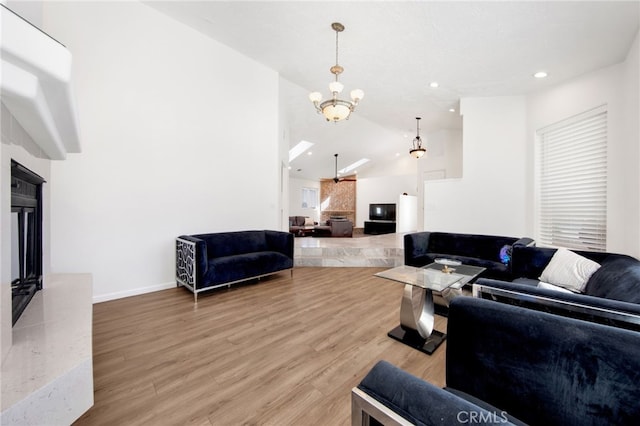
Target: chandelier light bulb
[(336, 109), (336, 87), (357, 95), (315, 97)]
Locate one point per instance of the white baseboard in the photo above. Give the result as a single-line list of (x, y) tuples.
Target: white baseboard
[(133, 292)]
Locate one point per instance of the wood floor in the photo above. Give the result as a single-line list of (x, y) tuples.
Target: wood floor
[(283, 351)]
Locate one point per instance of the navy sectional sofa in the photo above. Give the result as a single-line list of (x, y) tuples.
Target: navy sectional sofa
[(487, 251), (617, 278), (511, 365), (613, 290), (207, 261)]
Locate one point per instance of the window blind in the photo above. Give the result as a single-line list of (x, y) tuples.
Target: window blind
[(309, 198), (572, 182)]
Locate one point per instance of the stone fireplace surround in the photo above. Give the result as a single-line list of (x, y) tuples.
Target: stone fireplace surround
[(46, 373)]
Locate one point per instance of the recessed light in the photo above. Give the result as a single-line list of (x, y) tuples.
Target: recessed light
[(540, 74), (452, 110), (434, 84), (309, 153)]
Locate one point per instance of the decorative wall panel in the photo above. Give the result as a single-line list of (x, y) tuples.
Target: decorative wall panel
[(338, 199)]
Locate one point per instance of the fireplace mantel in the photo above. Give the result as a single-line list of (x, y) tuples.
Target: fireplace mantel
[(36, 85)]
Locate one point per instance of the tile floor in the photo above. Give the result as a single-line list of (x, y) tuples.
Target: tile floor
[(363, 251)]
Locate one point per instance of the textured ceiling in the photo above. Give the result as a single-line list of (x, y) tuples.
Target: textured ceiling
[(393, 49)]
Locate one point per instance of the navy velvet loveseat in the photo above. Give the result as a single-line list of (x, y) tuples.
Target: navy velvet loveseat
[(511, 365), (207, 261), (487, 251)]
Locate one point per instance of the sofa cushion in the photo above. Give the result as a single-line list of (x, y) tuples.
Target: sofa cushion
[(618, 279), (243, 266), (545, 368), (478, 246), (230, 243), (569, 270)]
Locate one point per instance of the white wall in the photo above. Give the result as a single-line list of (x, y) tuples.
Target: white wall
[(443, 160), (616, 87), (381, 190), (283, 148), (180, 135), (631, 83), (490, 196), (444, 154)]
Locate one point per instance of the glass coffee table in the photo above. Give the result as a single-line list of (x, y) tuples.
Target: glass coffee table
[(416, 308)]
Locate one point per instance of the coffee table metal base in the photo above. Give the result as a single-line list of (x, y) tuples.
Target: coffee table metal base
[(413, 339)]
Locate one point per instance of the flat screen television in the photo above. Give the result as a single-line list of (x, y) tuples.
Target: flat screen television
[(382, 212)]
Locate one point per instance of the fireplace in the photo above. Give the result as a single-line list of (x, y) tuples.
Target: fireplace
[(26, 237)]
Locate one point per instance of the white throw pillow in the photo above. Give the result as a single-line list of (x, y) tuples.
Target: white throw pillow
[(553, 287), (308, 221), (569, 270)]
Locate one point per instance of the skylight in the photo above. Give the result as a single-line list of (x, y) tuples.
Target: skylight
[(354, 166), (301, 147)]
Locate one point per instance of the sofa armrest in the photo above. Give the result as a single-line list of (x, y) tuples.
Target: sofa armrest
[(410, 400), (364, 407), (191, 260), (279, 241), (529, 262), (525, 242), (581, 306), (415, 246)]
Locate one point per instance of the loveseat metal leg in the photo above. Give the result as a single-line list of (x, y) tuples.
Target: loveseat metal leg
[(363, 407)]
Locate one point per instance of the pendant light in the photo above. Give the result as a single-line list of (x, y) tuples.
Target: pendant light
[(417, 150), (335, 109)]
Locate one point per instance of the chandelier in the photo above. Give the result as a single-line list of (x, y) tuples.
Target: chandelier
[(335, 109), (417, 150)]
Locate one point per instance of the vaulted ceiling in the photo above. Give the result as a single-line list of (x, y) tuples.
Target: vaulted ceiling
[(393, 50)]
